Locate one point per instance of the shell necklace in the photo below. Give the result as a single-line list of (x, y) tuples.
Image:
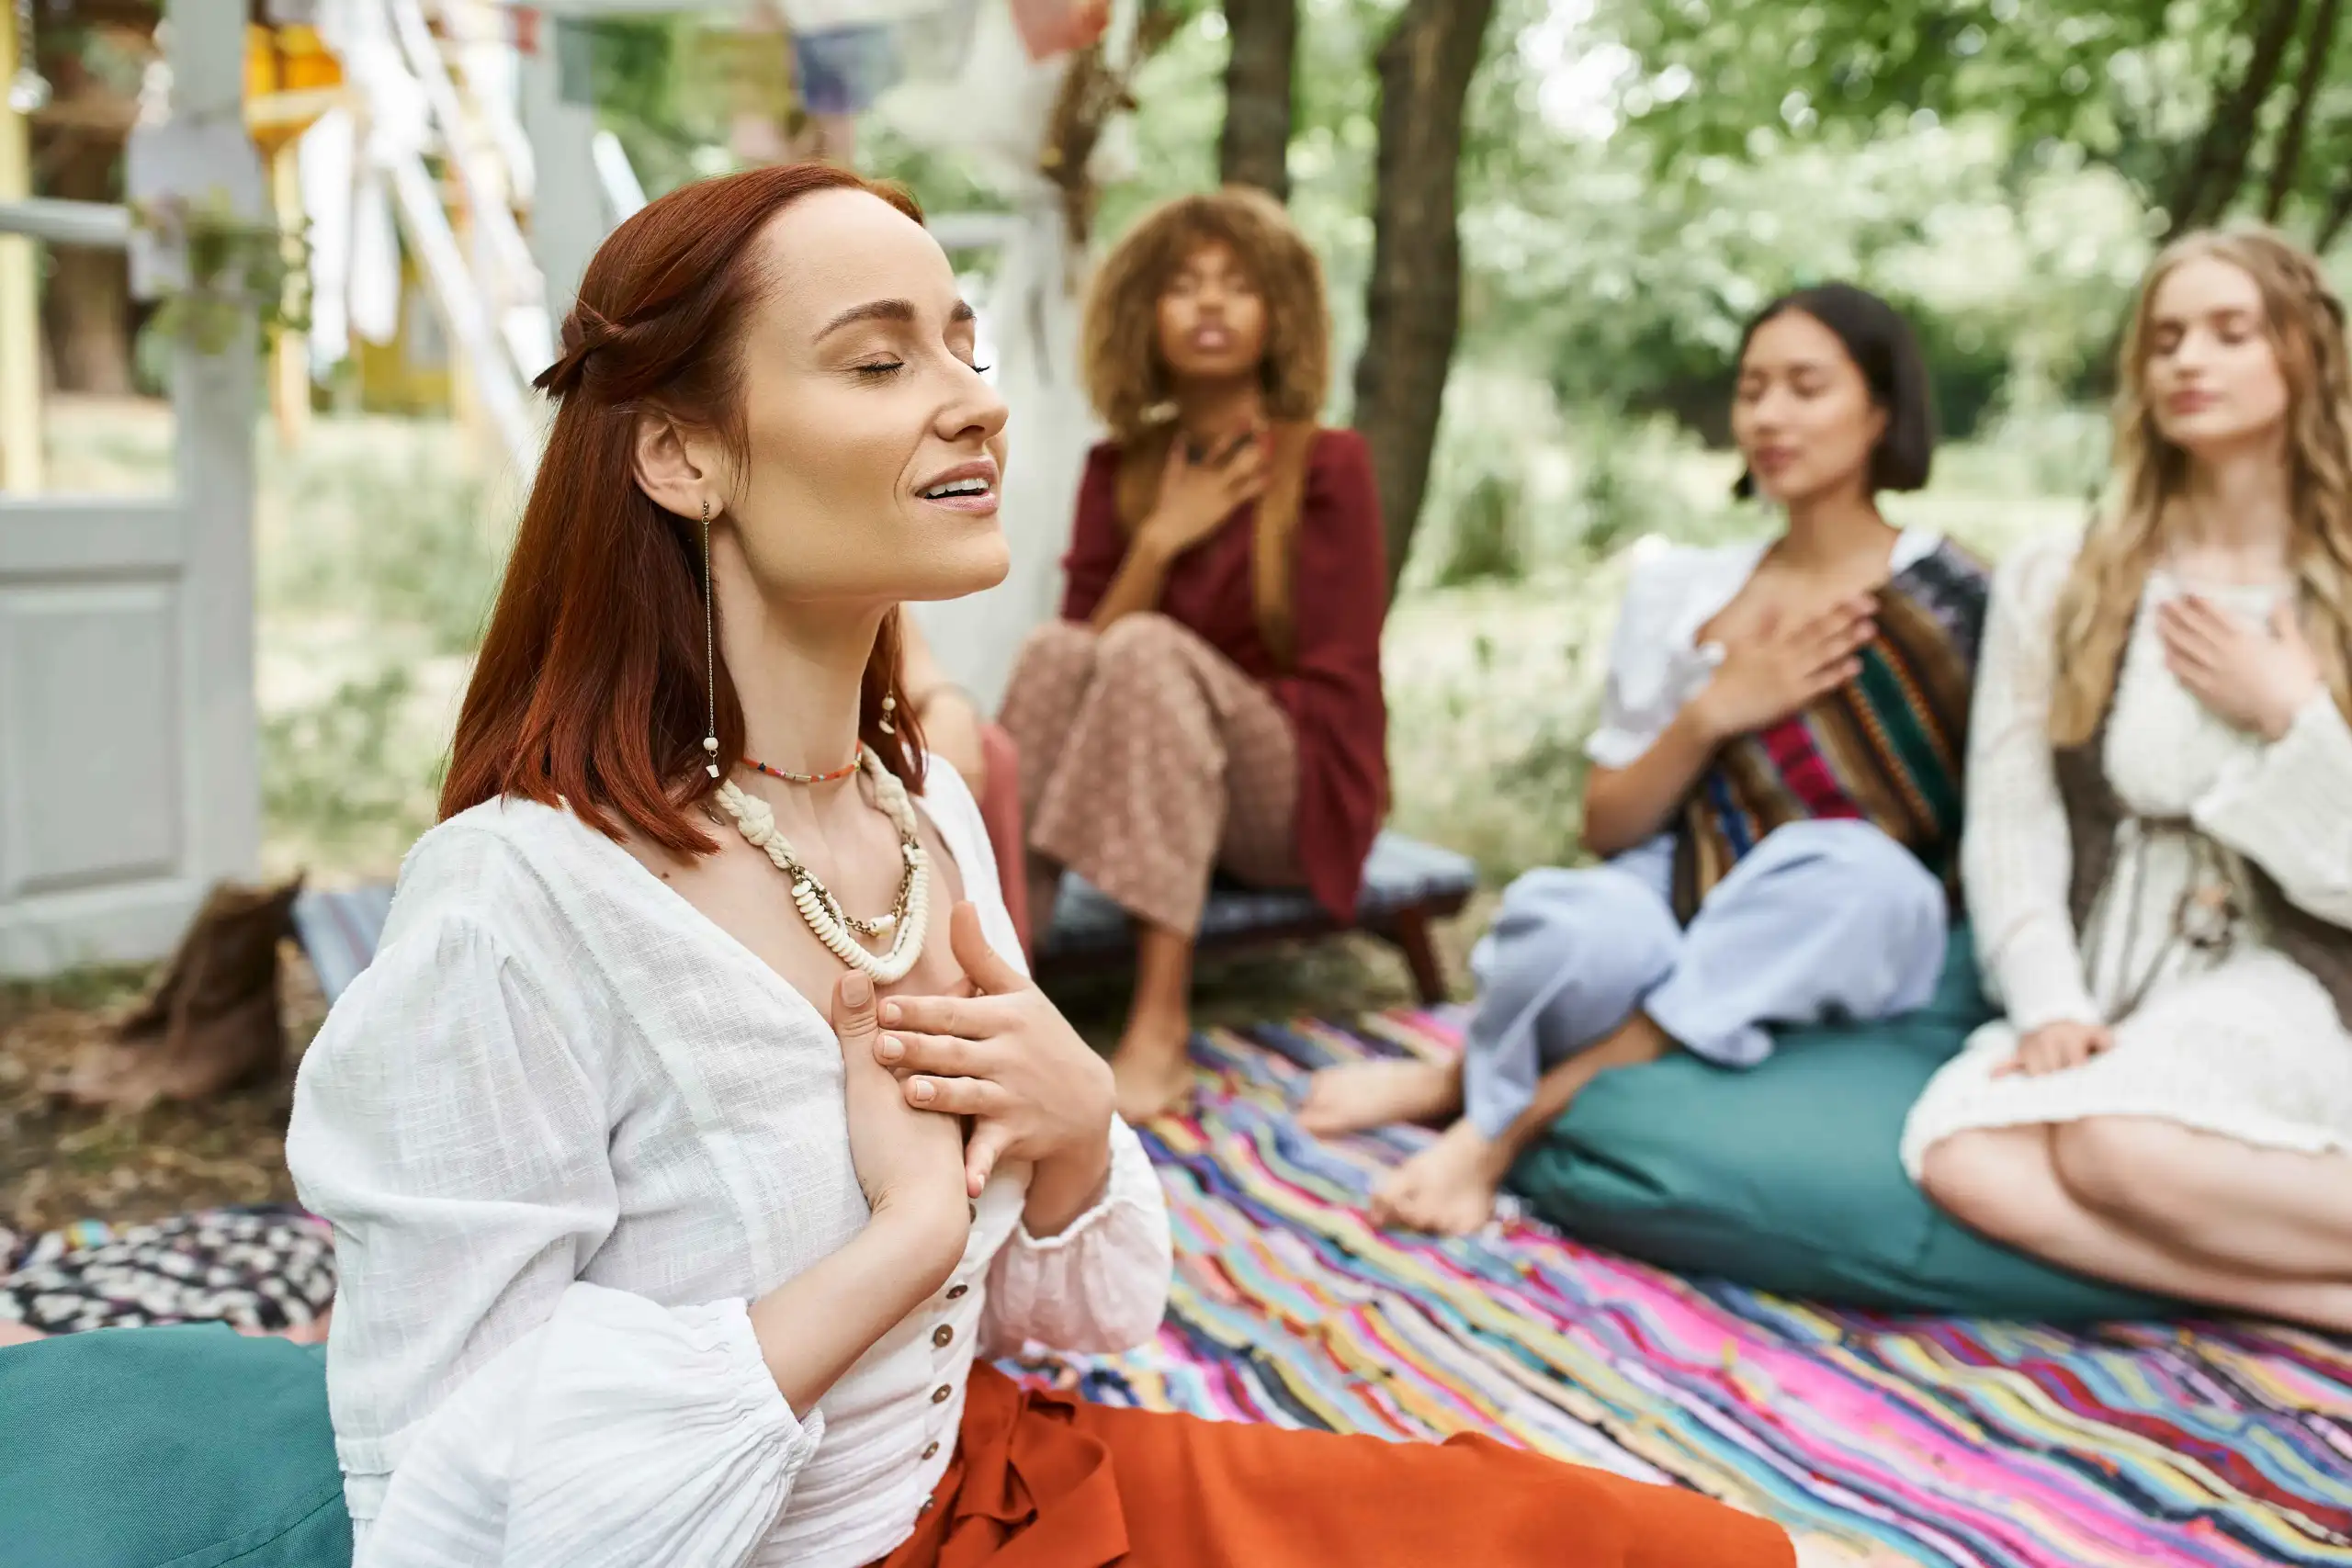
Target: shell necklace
[(827, 921)]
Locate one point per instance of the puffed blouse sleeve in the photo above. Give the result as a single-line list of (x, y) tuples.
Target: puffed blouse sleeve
[(2284, 807), (490, 1406), (1101, 1282), (2016, 858)]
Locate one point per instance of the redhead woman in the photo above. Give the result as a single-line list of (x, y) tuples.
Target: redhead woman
[(1209, 700), (696, 1136), (2159, 846), (1775, 783)]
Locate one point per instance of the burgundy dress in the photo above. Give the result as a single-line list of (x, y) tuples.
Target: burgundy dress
[(1331, 688)]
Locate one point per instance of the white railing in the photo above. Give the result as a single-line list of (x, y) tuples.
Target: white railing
[(96, 225)]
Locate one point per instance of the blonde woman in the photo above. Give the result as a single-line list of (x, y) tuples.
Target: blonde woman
[(2158, 854), (1209, 699)]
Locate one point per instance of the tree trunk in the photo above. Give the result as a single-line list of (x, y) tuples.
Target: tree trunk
[(1413, 302), (2287, 158), (2339, 212), (88, 307), (1255, 148), (2216, 168)]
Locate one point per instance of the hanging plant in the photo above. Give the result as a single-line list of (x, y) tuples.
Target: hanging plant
[(233, 264)]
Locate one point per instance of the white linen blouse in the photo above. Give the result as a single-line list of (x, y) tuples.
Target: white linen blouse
[(1656, 663), (565, 1128)]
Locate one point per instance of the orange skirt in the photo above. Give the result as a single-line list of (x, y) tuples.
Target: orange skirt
[(1042, 1481)]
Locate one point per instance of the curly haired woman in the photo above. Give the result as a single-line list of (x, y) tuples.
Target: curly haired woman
[(1210, 699), (2158, 854)]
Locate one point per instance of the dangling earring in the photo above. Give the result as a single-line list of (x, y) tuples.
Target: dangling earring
[(889, 707), (709, 654)]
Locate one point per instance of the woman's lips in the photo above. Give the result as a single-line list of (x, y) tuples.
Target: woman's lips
[(979, 503)]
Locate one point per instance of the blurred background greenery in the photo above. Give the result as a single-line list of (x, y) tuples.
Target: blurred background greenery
[(1636, 177)]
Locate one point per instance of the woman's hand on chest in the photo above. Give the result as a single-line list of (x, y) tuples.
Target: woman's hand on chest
[(1006, 1057), (2255, 677)]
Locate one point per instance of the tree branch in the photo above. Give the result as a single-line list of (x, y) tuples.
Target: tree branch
[(1255, 147), (2287, 158), (2217, 168)]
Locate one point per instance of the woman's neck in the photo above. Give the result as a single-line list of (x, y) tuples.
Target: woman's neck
[(2236, 516), (1827, 532), (1208, 412), (799, 671)]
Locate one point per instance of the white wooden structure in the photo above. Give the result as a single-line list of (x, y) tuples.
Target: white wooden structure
[(129, 765)]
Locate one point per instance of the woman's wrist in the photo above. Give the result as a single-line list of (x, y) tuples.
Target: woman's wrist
[(2282, 713), (1067, 1184), (928, 1235)]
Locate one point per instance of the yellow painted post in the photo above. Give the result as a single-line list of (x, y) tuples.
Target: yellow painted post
[(290, 360), (20, 436)]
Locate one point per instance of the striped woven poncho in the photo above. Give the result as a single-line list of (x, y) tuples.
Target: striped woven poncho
[(1885, 748)]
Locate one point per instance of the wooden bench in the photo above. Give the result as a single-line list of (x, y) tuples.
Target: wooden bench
[(1406, 886)]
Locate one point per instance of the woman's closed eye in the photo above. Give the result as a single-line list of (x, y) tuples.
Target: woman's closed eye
[(881, 369)]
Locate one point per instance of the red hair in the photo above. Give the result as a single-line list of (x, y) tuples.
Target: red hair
[(590, 684)]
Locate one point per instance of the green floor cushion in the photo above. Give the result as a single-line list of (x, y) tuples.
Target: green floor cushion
[(168, 1447), (1784, 1176)]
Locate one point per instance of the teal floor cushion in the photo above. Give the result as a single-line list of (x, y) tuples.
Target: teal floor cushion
[(1784, 1176), (168, 1447)]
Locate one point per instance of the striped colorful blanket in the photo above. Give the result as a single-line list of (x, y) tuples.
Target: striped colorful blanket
[(1953, 1442), (1885, 748)]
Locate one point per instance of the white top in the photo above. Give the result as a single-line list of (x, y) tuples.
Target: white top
[(2243, 1042), (565, 1128), (2282, 805), (1656, 663)]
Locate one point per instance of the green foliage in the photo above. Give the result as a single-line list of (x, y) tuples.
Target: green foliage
[(1485, 544), (418, 553), (2132, 87), (661, 97), (341, 779), (234, 265)]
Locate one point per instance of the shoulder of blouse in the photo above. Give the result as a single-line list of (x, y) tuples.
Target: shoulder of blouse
[(2028, 579), (503, 868), (1339, 450)]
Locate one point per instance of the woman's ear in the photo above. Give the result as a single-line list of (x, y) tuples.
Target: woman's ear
[(672, 470)]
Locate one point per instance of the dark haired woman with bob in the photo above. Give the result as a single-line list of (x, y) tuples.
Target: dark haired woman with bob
[(1775, 785), (1210, 698), (696, 1137)]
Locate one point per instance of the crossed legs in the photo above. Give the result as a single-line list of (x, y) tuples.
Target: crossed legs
[(2162, 1208)]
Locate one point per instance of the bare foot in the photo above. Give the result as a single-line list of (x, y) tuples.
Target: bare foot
[(1448, 1189), (1150, 1077), (1373, 1094)]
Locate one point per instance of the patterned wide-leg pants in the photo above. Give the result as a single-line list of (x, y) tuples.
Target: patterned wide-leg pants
[(1149, 761)]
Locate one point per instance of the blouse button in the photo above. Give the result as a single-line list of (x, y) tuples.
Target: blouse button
[(939, 1396), (941, 1334), (930, 1449), (957, 1291)]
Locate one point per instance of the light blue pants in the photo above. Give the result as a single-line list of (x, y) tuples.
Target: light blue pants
[(1819, 920)]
